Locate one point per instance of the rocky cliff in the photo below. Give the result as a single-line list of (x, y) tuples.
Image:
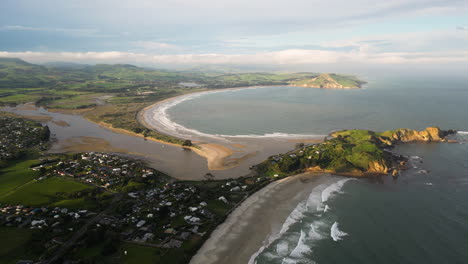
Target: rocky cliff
[(430, 134)]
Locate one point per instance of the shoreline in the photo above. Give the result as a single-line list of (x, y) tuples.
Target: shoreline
[(251, 225), (216, 154)]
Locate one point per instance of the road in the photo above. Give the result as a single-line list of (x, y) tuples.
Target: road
[(78, 234)]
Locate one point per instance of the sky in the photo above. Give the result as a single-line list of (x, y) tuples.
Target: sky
[(331, 33)]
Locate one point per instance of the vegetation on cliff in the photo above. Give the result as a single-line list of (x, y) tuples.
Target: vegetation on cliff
[(350, 152)]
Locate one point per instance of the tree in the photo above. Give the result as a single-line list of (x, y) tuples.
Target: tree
[(187, 143)]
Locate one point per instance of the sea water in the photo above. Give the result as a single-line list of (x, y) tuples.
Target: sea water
[(420, 217)]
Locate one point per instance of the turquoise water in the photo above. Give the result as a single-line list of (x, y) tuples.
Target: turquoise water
[(421, 217)]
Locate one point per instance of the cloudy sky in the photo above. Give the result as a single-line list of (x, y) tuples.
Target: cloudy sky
[(238, 32)]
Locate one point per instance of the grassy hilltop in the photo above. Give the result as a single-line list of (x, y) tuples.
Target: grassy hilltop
[(330, 81), (354, 152)]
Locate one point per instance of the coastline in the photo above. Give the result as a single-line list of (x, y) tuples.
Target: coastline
[(215, 154), (261, 216), (326, 88)]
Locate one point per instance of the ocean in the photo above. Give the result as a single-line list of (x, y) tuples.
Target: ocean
[(420, 217)]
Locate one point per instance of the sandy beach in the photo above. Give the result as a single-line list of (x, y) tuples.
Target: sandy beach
[(220, 155), (260, 216), (215, 154)]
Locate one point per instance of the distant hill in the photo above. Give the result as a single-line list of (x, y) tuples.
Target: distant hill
[(16, 73), (61, 64), (330, 81)]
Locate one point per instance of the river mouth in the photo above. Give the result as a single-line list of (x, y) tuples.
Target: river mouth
[(73, 133)]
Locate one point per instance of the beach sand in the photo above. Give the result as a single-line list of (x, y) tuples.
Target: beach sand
[(250, 225), (215, 154), (39, 118)]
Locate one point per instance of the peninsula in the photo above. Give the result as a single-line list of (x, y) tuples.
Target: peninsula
[(355, 153), (330, 81)]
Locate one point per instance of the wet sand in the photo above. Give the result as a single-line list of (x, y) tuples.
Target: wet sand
[(39, 118), (88, 144), (260, 216), (61, 123)]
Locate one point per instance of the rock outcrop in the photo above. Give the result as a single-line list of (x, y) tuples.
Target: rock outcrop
[(430, 134), (380, 167)]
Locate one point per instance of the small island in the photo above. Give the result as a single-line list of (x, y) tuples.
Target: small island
[(355, 153), (330, 81)]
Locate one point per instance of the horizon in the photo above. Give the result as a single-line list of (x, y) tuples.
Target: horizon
[(265, 35)]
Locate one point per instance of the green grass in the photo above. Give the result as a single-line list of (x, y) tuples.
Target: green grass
[(350, 151), (125, 99), (16, 175), (79, 203), (219, 208), (140, 255), (44, 192), (14, 244), (324, 79), (19, 98), (75, 102)]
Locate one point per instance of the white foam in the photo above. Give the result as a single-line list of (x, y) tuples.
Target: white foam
[(313, 232), (315, 200), (462, 132), (282, 248), (333, 189), (335, 233), (301, 248), (158, 118), (326, 208)]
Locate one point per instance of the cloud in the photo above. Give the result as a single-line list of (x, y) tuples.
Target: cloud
[(284, 57), (155, 46), (435, 40), (461, 28)]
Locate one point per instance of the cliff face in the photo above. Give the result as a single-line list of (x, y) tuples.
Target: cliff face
[(380, 167), (430, 134)]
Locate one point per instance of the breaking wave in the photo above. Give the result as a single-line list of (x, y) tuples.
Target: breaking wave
[(335, 233), (334, 189), (158, 118), (303, 228)]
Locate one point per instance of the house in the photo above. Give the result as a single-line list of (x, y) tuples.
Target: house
[(140, 223), (173, 243), (223, 199)]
